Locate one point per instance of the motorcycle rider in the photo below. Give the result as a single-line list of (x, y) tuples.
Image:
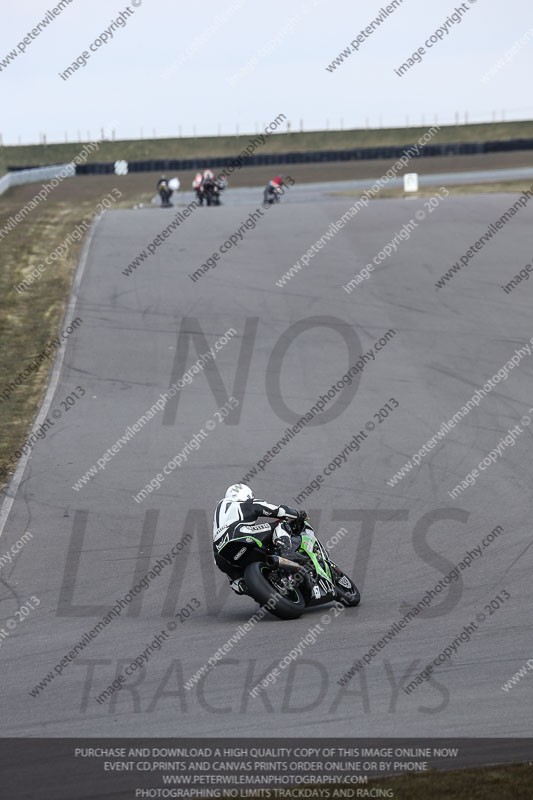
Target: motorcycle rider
[(164, 190), (209, 186), (208, 179), (236, 516), (274, 188), (197, 186)]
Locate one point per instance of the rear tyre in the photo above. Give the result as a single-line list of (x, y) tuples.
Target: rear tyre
[(261, 582)]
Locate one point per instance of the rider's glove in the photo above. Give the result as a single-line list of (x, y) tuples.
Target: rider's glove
[(302, 516)]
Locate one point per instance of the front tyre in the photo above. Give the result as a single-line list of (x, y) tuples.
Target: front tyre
[(266, 586), (348, 595)]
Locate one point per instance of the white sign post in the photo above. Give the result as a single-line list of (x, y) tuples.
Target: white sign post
[(410, 182)]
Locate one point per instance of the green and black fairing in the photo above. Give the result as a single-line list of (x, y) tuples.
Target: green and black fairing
[(318, 566)]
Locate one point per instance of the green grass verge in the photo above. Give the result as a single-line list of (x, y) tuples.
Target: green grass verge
[(514, 187), (514, 782), (490, 783), (138, 150), (29, 321)]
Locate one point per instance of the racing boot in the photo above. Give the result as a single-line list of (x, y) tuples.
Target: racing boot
[(239, 586)]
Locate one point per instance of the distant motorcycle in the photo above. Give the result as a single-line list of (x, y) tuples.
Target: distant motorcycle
[(272, 194), (165, 193), (165, 190), (209, 188), (210, 192)]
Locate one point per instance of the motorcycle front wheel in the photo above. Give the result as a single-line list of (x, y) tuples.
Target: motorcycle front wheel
[(349, 597), (266, 587)]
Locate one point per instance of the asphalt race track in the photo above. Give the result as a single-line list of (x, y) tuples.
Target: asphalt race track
[(139, 334)]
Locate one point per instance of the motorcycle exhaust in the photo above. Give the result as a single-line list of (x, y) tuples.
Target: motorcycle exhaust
[(279, 561), (292, 566)]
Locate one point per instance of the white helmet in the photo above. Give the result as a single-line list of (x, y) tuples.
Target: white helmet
[(239, 492)]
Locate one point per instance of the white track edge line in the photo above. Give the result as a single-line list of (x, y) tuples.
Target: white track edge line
[(13, 486)]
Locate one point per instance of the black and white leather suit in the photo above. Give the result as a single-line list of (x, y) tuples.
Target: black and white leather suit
[(234, 519)]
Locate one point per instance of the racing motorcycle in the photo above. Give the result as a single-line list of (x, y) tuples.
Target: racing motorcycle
[(287, 587), (165, 193), (209, 191), (165, 190), (272, 194)]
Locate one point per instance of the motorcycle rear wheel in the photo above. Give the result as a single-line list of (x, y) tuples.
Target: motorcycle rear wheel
[(262, 590)]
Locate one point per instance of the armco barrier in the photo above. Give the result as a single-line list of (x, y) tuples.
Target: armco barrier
[(5, 183), (387, 152), (35, 174), (312, 156)]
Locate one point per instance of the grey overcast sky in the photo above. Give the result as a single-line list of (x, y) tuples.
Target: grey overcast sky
[(210, 66)]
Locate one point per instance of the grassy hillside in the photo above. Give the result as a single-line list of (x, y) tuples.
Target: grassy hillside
[(136, 150)]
